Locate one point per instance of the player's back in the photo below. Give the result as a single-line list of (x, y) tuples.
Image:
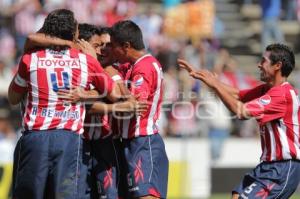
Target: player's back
[(47, 72)]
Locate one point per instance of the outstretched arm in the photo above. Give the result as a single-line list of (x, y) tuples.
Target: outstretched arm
[(233, 91), (227, 94), (129, 106)]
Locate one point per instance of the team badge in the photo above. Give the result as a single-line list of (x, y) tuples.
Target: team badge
[(138, 81), (264, 100)]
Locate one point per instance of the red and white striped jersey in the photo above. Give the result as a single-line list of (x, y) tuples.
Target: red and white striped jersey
[(99, 126), (277, 112), (42, 73), (144, 80)]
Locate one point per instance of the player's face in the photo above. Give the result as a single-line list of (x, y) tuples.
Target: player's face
[(95, 41), (267, 71), (118, 52), (106, 55)]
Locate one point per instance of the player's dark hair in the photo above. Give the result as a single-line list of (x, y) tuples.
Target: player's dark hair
[(128, 31), (87, 31), (104, 30), (282, 53), (60, 23)]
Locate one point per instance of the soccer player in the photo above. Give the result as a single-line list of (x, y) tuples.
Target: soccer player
[(275, 105), (100, 128), (48, 156), (144, 149)]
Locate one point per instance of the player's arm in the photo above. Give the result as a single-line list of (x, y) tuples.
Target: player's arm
[(230, 100), (15, 97), (36, 40), (233, 91), (228, 95), (104, 84), (77, 94), (129, 106), (18, 86), (116, 77)]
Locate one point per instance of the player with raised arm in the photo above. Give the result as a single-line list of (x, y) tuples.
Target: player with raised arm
[(100, 127), (144, 149), (275, 105)]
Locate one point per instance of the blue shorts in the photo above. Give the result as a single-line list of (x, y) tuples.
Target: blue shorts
[(270, 180), (147, 166), (49, 164), (105, 165)]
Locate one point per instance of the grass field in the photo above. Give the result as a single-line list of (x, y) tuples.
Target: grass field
[(227, 196)]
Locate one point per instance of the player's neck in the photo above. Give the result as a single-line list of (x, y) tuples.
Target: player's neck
[(137, 55), (278, 81)]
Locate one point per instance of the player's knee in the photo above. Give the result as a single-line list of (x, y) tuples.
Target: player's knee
[(148, 197), (235, 196)]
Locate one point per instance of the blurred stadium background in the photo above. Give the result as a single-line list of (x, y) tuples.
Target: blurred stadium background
[(209, 150)]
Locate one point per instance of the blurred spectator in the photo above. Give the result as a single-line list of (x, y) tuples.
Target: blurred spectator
[(247, 2), (271, 10), (218, 119), (230, 74), (7, 50), (290, 10), (6, 130), (81, 9), (25, 12), (150, 23), (170, 3), (6, 76), (183, 121)]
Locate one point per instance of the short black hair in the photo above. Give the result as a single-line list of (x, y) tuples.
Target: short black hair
[(282, 53), (128, 31), (87, 31), (104, 30), (60, 23)]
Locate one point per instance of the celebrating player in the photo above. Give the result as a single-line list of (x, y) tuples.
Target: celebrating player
[(146, 159), (48, 156), (275, 106)]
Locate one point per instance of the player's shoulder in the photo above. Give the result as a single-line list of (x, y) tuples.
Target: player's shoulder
[(281, 90), (27, 56), (146, 64)]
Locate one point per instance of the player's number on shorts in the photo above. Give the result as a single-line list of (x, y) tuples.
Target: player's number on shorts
[(60, 80)]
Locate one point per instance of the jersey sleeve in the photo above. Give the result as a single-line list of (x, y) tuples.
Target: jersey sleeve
[(21, 78), (100, 79), (268, 107), (253, 93), (141, 84)]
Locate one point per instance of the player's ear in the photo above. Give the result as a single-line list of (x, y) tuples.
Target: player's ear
[(126, 45), (278, 65)]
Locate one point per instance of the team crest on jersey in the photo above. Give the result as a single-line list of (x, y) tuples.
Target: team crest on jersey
[(138, 81), (265, 100)]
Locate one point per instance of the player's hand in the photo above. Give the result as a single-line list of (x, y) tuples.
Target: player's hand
[(141, 107), (86, 48), (73, 95), (185, 65), (209, 78)]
